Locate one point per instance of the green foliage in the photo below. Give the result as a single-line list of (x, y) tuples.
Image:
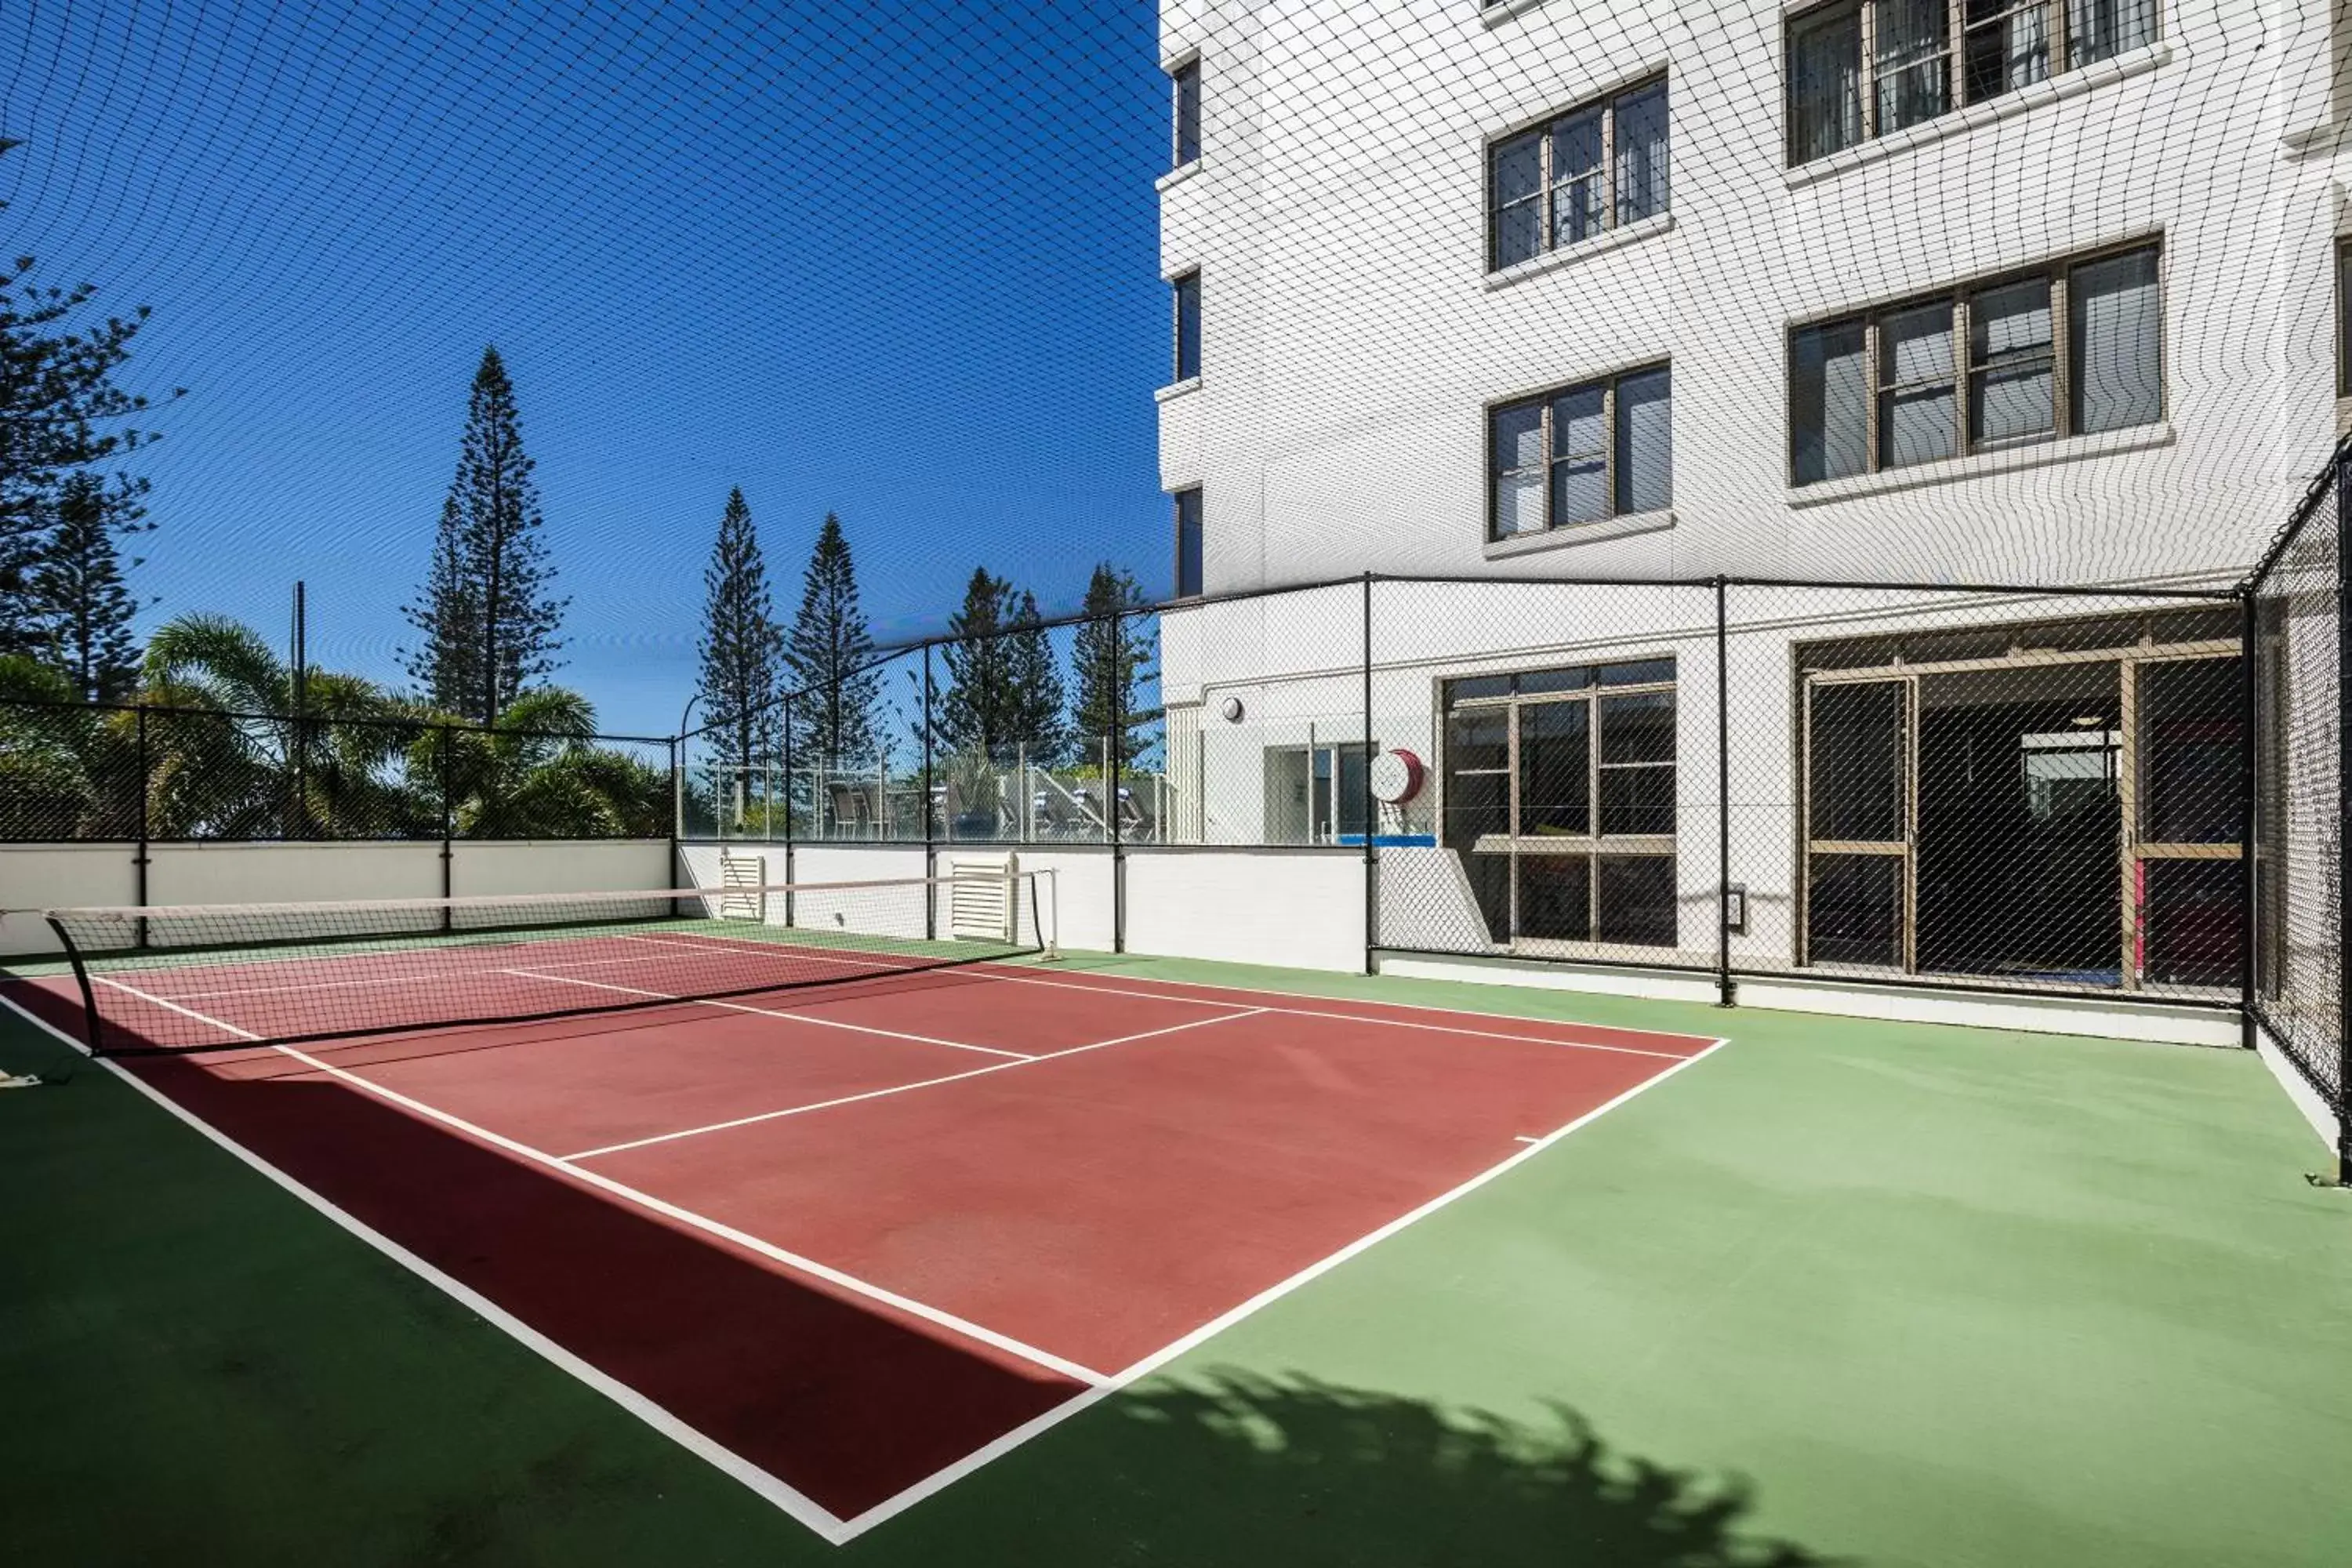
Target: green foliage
[(827, 651), (63, 417), (977, 710), (1111, 657), (78, 592), (741, 646), (487, 617), (539, 774), (66, 771), (1038, 696)]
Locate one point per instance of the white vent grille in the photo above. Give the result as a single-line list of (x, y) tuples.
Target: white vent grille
[(744, 880)]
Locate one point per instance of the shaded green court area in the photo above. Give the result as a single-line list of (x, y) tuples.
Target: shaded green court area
[(1844, 1292)]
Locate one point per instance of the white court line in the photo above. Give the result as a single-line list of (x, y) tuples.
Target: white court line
[(798, 1505), (947, 1475), (826, 1525), (1283, 1006), (1523, 1138), (793, 1260), (903, 1087), (772, 1013)]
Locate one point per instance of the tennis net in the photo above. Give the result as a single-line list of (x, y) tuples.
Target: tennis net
[(206, 977)]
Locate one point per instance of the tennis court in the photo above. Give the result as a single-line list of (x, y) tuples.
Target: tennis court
[(850, 1207)]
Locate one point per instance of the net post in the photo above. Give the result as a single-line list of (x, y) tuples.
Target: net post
[(139, 862), (1725, 991), (2343, 761), (678, 803), (931, 852), (448, 825), (81, 978), (2249, 767), (1371, 808)]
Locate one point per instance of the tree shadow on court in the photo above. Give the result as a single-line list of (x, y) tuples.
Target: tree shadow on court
[(1235, 1466)]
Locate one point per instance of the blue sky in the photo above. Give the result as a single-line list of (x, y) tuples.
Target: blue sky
[(895, 260)]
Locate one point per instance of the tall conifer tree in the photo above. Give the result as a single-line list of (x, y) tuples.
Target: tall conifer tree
[(1035, 676), (1111, 656), (977, 710), (826, 651), (487, 615), (84, 604), (742, 644)]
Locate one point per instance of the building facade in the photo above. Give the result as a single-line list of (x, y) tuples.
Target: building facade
[(1583, 307)]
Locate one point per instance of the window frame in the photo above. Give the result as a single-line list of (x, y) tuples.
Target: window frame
[(1199, 553), (1545, 402), (2065, 358), (2343, 259), (1595, 844), (2060, 54), (1179, 74), (1178, 286), (1544, 130)]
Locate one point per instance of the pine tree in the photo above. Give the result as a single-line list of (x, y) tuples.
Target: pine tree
[(59, 414), (79, 593), (976, 713), (489, 621), (741, 641), (1035, 677), (827, 651), (1109, 657)]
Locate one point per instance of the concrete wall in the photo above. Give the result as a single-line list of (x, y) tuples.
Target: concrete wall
[(1302, 909)]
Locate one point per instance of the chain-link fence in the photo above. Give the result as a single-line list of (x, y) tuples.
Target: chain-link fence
[(99, 772), (2298, 613)]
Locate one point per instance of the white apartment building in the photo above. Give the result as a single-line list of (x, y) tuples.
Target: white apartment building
[(2026, 292)]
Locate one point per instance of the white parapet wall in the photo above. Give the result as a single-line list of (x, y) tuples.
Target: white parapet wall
[(558, 866), (287, 873), (35, 877)]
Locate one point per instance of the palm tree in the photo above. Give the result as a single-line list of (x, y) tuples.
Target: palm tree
[(67, 771), (229, 759), (538, 773)]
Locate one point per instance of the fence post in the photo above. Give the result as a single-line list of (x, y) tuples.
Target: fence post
[(448, 825), (1371, 807), (1114, 745), (788, 808), (138, 861), (2343, 761), (2249, 799), (930, 861), (677, 811), (1724, 992)]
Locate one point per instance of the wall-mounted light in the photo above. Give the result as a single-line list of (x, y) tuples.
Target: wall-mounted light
[(1232, 709)]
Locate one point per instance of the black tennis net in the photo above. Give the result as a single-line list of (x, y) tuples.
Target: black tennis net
[(209, 977)]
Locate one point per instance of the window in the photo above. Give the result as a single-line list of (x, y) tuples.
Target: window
[(1186, 293), (1188, 543), (1980, 369), (1184, 89), (1558, 796), (1582, 454), (2055, 801), (1863, 69), (1592, 169)]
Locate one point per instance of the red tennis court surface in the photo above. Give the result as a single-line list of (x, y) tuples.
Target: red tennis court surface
[(850, 1242)]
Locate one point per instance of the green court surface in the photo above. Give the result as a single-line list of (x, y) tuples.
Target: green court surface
[(1844, 1291)]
